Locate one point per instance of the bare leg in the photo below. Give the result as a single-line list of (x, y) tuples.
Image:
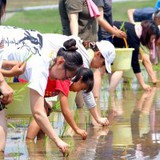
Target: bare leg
[(79, 100), (114, 80), (3, 130), (33, 130)]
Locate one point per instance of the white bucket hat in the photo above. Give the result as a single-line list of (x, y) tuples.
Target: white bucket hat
[(108, 52)]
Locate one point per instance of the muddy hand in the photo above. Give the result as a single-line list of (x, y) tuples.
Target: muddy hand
[(103, 121), (119, 33), (7, 93), (147, 87), (64, 148), (82, 133)]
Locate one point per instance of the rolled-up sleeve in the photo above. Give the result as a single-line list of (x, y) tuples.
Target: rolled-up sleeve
[(89, 99)]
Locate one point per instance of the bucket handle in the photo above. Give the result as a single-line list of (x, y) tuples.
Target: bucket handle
[(125, 42)]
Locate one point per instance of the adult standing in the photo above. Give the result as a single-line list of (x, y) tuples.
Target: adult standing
[(106, 29), (76, 20)]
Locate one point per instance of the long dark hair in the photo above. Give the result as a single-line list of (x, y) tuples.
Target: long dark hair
[(87, 78), (149, 28)]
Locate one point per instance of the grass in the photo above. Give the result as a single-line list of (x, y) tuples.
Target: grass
[(48, 21), (45, 21)]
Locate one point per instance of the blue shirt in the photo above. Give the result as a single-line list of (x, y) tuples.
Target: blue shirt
[(157, 5)]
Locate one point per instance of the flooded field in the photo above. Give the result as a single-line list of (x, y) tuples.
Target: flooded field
[(133, 134)]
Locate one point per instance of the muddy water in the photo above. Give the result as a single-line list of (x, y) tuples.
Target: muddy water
[(134, 131)]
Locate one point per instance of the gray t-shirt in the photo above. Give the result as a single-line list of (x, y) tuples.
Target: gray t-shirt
[(88, 26)]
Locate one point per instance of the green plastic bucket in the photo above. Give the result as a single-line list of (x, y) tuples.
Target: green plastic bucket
[(129, 73), (122, 60)]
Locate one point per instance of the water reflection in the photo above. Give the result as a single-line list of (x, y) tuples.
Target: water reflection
[(142, 124), (42, 149), (93, 147), (134, 131)]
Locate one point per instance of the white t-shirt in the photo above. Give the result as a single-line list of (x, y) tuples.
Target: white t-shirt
[(19, 44), (57, 40)]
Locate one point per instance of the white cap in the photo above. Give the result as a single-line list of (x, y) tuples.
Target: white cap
[(108, 52)]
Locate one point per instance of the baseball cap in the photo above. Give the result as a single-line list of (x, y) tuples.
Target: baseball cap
[(108, 52)]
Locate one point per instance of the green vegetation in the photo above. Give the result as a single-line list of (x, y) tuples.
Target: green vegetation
[(48, 21), (18, 94), (45, 21)]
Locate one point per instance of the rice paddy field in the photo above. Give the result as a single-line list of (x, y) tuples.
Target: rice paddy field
[(134, 130)]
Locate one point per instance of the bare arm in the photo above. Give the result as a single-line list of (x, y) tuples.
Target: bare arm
[(73, 18), (9, 64), (141, 82), (69, 117), (148, 65), (38, 111), (16, 70), (95, 114), (130, 15), (105, 25)]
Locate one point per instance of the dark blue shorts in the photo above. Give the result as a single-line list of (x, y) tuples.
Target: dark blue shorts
[(143, 14)]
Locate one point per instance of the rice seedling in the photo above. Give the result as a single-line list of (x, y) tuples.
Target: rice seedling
[(104, 99), (17, 154), (122, 28), (24, 124), (63, 129), (70, 142), (86, 120), (18, 93), (11, 125), (46, 139), (57, 107), (76, 116)]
